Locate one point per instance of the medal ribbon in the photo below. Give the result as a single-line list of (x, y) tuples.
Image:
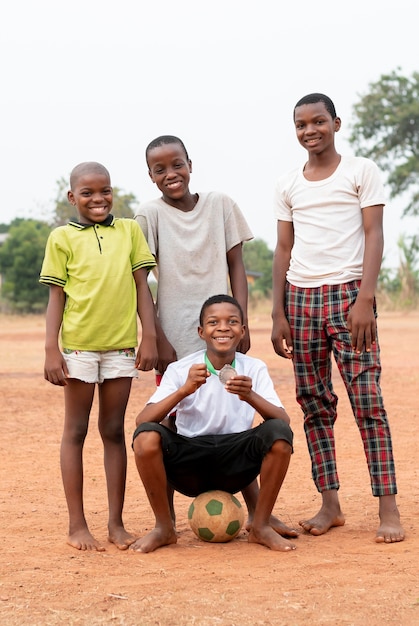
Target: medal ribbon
[(210, 366)]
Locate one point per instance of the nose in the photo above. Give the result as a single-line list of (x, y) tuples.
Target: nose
[(310, 129), (97, 198), (170, 173)]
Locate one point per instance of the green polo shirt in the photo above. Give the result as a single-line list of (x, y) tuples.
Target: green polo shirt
[(94, 265)]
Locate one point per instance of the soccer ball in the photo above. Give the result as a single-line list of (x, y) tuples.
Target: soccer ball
[(216, 516)]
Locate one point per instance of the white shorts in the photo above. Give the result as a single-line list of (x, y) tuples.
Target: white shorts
[(95, 367)]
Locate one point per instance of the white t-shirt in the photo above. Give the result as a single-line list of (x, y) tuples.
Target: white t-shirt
[(212, 410), (327, 218), (191, 253)]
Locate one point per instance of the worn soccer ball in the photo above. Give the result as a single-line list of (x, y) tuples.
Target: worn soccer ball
[(216, 516)]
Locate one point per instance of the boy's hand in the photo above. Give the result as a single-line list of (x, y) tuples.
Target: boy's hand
[(147, 356), (239, 385), (197, 377), (167, 354), (244, 345), (55, 368), (281, 338), (362, 326)]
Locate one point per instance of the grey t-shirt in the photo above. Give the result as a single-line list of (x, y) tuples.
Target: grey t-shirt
[(191, 253)]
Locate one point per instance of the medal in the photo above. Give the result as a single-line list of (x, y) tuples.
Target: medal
[(225, 373)]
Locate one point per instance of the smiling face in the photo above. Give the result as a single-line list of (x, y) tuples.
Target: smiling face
[(315, 127), (169, 168), (222, 330), (91, 194)]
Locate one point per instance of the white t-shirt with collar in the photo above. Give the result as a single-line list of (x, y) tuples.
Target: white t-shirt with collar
[(212, 410)]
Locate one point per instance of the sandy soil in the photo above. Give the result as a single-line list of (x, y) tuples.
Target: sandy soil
[(342, 578)]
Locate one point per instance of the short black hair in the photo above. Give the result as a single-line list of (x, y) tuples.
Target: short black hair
[(163, 140), (312, 98), (219, 299), (87, 166)]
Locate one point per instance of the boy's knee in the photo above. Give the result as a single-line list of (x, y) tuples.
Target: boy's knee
[(147, 443), (281, 447)]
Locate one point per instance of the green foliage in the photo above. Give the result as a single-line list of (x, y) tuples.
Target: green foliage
[(123, 204), (257, 259), (21, 258), (387, 131), (399, 289)]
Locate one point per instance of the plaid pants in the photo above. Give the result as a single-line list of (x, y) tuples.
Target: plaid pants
[(317, 317)]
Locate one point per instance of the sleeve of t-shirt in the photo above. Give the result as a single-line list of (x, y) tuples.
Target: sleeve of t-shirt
[(141, 255), (369, 183), (263, 385), (282, 206), (236, 227), (54, 265), (148, 223), (170, 383)]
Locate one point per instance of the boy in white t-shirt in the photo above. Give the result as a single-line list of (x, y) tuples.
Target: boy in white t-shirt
[(215, 446), (326, 265)]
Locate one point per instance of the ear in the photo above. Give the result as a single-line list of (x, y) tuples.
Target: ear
[(338, 123), (200, 332), (70, 198), (151, 176), (190, 166)]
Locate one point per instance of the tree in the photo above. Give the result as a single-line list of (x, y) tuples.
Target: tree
[(21, 258), (387, 131), (123, 204), (258, 258)]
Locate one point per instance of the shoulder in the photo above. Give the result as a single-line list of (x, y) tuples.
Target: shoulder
[(126, 225), (247, 363), (177, 367), (62, 233), (287, 179), (359, 164), (217, 198), (149, 207)]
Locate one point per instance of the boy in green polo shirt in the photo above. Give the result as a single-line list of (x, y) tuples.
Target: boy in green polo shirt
[(96, 269)]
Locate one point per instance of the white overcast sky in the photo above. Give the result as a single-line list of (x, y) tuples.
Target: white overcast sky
[(97, 80)]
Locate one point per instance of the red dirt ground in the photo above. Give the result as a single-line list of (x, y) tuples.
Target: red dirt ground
[(342, 578)]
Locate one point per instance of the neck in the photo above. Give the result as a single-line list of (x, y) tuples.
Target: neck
[(185, 204), (218, 361)]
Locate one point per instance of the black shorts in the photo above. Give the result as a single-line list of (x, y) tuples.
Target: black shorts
[(227, 462)]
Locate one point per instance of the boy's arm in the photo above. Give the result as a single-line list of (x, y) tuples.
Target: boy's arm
[(242, 386), (239, 289), (147, 351), (166, 352), (157, 411), (281, 334), (55, 368), (361, 318)]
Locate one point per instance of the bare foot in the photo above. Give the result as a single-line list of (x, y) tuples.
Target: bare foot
[(83, 540), (121, 538), (278, 526), (266, 536), (326, 518), (390, 529), (157, 538)]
